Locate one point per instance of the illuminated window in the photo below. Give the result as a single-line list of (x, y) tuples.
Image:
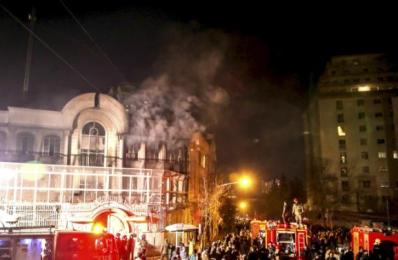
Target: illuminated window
[(395, 154), (340, 118), (363, 141), (362, 128), (92, 146), (365, 169), (51, 145), (361, 115), (203, 161), (382, 154), (364, 155), (364, 88), (343, 158), (342, 144), (340, 131)]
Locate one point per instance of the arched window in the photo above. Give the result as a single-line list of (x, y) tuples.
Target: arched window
[(92, 145), (51, 145), (25, 142), (3, 141)]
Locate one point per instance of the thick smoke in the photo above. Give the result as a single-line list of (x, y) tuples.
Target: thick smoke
[(161, 112), (181, 101)]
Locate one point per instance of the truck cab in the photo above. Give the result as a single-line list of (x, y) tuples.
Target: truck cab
[(84, 245)]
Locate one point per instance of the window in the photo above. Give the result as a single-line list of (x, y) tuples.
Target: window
[(340, 118), (366, 184), (378, 114), (25, 142), (92, 147), (377, 101), (381, 141), (364, 155), (382, 155), (379, 128), (363, 141), (3, 140), (345, 199), (203, 161), (340, 131), (339, 105), (343, 158), (395, 154), (360, 102), (365, 169), (51, 145), (345, 186), (342, 144), (343, 172), (362, 128), (361, 115)]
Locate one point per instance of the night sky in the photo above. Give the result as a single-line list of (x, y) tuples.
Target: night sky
[(269, 54)]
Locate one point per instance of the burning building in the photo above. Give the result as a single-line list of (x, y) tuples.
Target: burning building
[(84, 164)]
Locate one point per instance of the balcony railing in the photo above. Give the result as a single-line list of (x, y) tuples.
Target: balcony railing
[(180, 166)]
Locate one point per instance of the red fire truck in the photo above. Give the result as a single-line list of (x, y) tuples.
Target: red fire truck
[(365, 238), (289, 239), (85, 245)]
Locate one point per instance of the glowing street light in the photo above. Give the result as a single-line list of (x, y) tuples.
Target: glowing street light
[(243, 205), (244, 182)]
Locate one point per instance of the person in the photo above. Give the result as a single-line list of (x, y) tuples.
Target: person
[(143, 245), (164, 250), (284, 213), (131, 246), (123, 248), (297, 211)]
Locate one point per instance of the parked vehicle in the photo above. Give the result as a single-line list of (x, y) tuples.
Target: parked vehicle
[(85, 245)]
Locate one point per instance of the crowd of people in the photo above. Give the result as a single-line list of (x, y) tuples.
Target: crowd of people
[(323, 244)]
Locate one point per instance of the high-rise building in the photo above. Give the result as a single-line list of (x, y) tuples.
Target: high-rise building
[(350, 135)]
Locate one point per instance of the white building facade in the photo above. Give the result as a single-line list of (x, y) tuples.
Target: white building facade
[(71, 168)]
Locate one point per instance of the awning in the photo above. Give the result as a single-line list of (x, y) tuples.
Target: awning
[(181, 227)]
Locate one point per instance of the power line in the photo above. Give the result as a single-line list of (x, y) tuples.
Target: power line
[(48, 47), (106, 56)]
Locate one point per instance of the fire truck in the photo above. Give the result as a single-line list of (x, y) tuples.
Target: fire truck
[(85, 245), (366, 237), (289, 239)]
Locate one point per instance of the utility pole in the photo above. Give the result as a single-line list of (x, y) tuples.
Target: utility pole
[(32, 20)]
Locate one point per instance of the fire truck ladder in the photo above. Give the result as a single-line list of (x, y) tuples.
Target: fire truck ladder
[(301, 243)]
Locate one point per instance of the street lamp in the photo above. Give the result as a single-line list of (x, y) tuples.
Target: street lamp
[(244, 182), (243, 205)]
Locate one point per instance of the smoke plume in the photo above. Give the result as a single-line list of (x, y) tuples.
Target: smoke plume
[(183, 99)]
